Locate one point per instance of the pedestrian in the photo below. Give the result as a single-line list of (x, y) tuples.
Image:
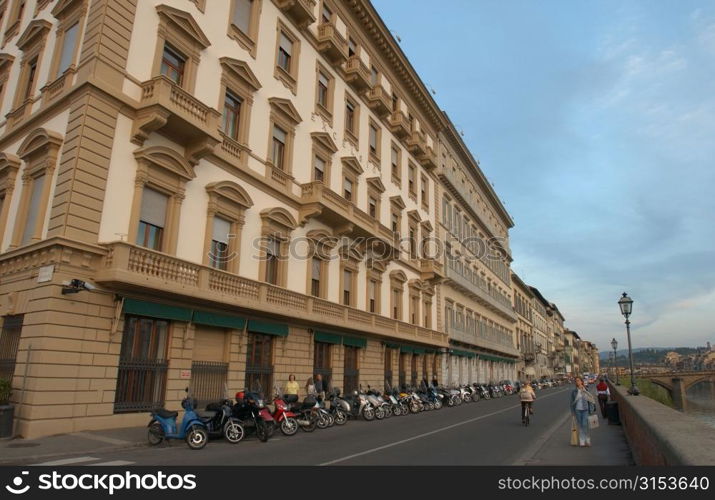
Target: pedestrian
[(603, 393), (582, 404), (290, 392), (319, 387), (310, 387)]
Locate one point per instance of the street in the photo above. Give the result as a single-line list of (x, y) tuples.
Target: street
[(482, 433)]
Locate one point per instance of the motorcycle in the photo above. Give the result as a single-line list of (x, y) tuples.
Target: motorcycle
[(220, 422), (251, 411), (162, 426), (339, 408), (374, 399), (284, 418), (306, 413), (360, 406)]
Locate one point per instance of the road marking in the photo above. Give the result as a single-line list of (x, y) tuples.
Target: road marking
[(67, 461), (413, 438), (114, 462), (104, 439)]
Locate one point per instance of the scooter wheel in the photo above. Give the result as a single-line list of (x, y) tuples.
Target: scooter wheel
[(155, 434), (262, 431), (289, 426), (323, 421), (197, 437), (233, 431), (437, 404), (341, 418), (310, 426), (368, 413)]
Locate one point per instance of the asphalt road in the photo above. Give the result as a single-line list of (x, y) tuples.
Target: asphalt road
[(482, 433)]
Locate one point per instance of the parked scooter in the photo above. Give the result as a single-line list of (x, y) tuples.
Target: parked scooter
[(360, 406), (339, 408), (284, 418), (306, 413), (220, 422), (162, 426), (253, 414)]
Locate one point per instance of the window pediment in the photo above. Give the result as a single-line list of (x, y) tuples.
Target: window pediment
[(376, 184), (427, 226), (185, 23), (324, 140), (232, 192), (37, 29), (414, 215), (40, 142), (278, 220), (352, 164), (285, 109), (398, 276), (9, 165), (397, 201), (166, 158), (6, 61), (65, 6), (241, 71)]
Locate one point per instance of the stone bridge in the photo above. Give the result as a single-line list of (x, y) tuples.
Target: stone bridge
[(677, 383)]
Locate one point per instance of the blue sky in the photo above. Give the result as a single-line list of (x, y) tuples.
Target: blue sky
[(595, 121)]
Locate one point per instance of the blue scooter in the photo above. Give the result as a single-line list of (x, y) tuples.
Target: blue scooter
[(163, 426)]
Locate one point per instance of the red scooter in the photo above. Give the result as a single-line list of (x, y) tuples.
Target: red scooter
[(283, 417)]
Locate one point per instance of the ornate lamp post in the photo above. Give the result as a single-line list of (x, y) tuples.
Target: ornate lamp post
[(626, 305), (614, 344)]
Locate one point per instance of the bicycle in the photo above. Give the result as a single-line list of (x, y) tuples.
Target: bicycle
[(525, 413)]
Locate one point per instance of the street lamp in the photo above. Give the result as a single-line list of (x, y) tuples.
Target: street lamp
[(626, 305), (614, 344)]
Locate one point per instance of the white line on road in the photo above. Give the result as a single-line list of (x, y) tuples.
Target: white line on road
[(413, 438), (114, 462), (104, 439), (67, 461), (532, 450)]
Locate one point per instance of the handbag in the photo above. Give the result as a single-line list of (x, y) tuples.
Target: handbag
[(574, 432), (593, 421)]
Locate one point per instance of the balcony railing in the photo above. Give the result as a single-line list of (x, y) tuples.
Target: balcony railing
[(329, 207), (399, 124), (132, 267), (428, 159), (481, 337), (299, 11), (379, 101), (357, 74), (480, 290), (417, 143), (332, 44), (167, 108)]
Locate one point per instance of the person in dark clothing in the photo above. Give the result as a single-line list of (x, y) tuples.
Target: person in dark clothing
[(319, 387), (603, 393)]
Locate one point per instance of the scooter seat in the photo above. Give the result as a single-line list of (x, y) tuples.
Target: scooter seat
[(167, 414), (206, 414)]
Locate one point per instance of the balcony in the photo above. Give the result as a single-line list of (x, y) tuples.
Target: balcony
[(379, 101), (417, 143), (356, 74), (171, 111), (332, 44), (399, 124), (481, 292), (324, 204), (299, 11), (128, 267), (529, 357), (428, 159), (484, 339), (431, 269)]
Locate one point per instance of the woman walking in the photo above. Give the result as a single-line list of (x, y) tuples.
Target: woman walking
[(581, 403)]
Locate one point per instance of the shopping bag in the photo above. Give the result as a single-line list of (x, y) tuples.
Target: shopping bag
[(574, 432), (593, 421)]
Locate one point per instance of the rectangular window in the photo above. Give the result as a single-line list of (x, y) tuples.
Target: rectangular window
[(372, 207), (395, 102), (413, 370), (259, 363), (218, 256), (413, 241), (374, 140), (242, 15), (38, 184), (388, 368), (318, 169), (141, 379), (69, 42), (152, 219), (348, 189), (279, 146), (9, 342), (411, 178), (231, 115), (321, 363), (285, 51), (374, 75), (424, 190), (350, 117), (315, 273), (272, 260), (326, 15), (395, 163), (347, 287), (323, 88), (415, 310), (395, 222), (396, 300), (372, 296), (173, 65), (31, 77), (352, 46), (402, 374)]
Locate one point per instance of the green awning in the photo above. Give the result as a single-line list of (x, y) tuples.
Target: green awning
[(406, 349), (354, 341), (430, 351), (328, 338), (391, 346), (156, 310), (418, 350), (464, 354), (220, 320), (497, 359), (279, 329)]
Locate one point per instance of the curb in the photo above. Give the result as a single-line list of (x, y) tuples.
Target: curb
[(41, 457)]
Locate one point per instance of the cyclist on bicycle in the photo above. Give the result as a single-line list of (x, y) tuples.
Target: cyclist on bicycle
[(527, 397)]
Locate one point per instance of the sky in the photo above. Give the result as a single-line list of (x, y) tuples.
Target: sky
[(595, 122)]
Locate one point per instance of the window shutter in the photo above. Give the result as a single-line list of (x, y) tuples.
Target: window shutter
[(33, 212), (154, 207), (222, 228)]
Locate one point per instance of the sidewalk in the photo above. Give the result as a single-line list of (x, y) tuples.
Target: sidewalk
[(29, 451), (608, 447)]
